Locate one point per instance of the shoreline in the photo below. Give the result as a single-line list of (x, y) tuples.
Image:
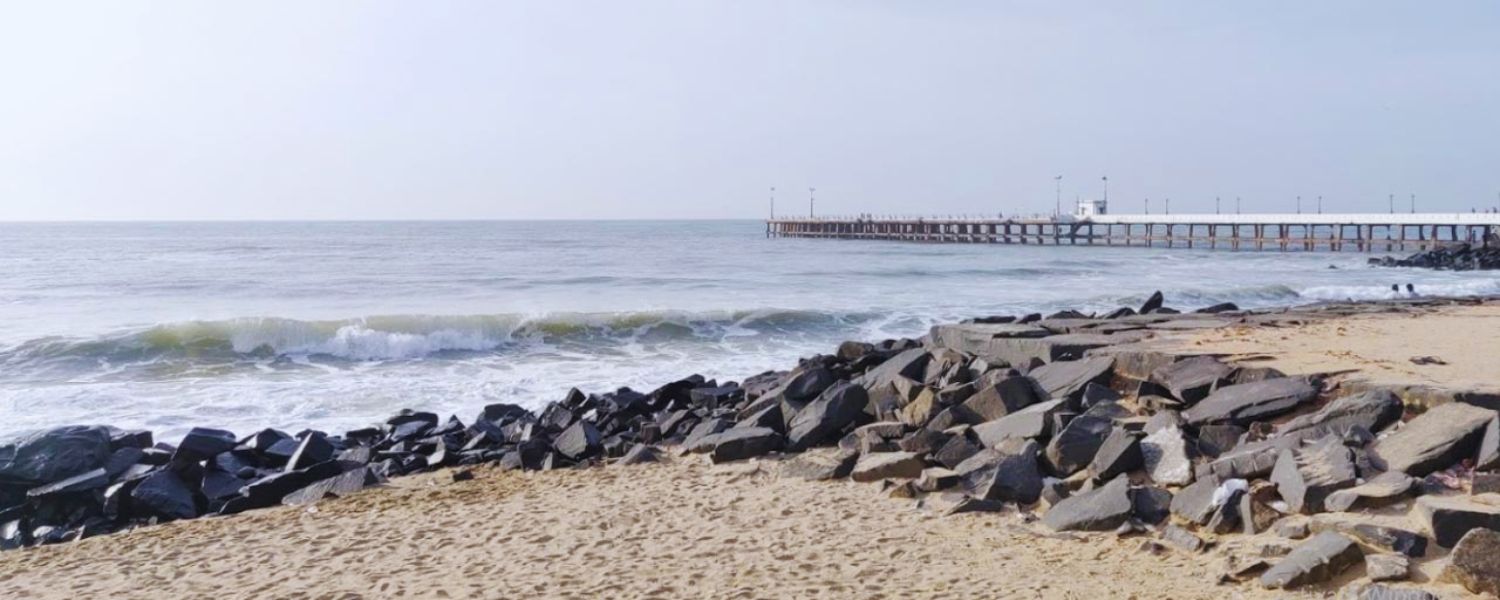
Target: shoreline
[(913, 414)]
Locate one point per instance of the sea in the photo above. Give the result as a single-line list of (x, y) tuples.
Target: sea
[(336, 325)]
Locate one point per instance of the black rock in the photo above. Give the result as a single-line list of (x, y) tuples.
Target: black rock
[(165, 495), (1318, 559), (694, 440), (1151, 505), (823, 419), (1218, 308), (122, 459), (806, 384), (82, 482), (579, 441), (1004, 397), (1246, 403), (202, 443), (1120, 453), (1076, 444), (314, 448), (1008, 472), (957, 449), (740, 444), (1152, 303), (263, 440), (1192, 379), (220, 485), (139, 439), (1100, 509), (1031, 422), (54, 455), (1068, 379)]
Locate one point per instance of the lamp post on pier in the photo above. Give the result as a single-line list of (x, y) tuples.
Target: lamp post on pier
[(811, 201), (773, 202)]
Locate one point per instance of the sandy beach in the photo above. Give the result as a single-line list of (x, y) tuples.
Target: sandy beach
[(678, 530), (1375, 348), (686, 528)]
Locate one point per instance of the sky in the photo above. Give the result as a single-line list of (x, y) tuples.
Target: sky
[(558, 109)]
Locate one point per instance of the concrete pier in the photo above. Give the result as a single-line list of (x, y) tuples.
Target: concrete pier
[(1283, 232)]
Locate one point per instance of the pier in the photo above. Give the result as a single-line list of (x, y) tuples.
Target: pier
[(1090, 225)]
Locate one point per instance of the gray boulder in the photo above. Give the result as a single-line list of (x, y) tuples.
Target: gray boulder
[(820, 465), (1031, 422), (888, 465), (1373, 410), (823, 419), (1075, 446), (1192, 379), (1435, 440), (1306, 477), (1120, 453), (1008, 473), (1247, 403), (740, 444), (1318, 559), (1004, 397), (1067, 379), (1383, 489), (1100, 509)]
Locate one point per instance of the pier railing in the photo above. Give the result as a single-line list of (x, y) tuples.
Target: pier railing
[(1284, 232)]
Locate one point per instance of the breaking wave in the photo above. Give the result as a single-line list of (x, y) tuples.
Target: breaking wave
[(395, 337)]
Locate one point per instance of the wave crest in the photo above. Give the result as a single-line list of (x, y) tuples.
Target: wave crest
[(394, 337)]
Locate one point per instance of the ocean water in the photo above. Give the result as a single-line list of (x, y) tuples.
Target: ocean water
[(335, 325)]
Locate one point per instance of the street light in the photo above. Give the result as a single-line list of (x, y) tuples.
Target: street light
[(773, 202), (1299, 205), (811, 200), (1216, 205), (1413, 204), (1057, 211), (1168, 207), (1320, 205)]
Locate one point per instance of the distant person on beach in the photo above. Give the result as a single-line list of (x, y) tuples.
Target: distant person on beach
[(1396, 288), (1411, 290)]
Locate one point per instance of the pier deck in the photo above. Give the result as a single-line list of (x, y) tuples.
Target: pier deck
[(1284, 232)]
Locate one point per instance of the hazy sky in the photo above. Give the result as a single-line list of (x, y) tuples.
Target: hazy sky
[(616, 109)]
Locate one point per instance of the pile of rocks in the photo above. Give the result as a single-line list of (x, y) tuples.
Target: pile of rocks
[(1462, 257), (1060, 415)]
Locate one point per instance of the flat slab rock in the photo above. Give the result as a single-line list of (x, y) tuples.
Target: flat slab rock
[(888, 465), (1100, 509), (1448, 518), (1318, 559), (1382, 489), (1436, 440), (820, 465), (1247, 403)]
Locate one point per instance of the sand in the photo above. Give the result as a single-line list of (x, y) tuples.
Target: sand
[(688, 529), (1375, 348), (679, 530)]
